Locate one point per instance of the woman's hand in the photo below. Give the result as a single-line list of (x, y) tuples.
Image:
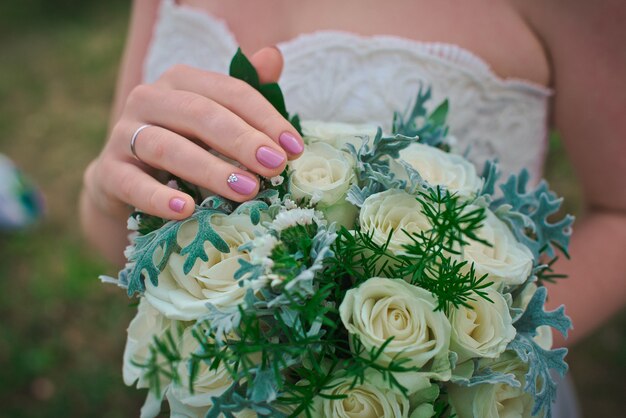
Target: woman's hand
[(191, 112)]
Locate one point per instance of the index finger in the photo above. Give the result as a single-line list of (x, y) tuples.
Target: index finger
[(241, 99)]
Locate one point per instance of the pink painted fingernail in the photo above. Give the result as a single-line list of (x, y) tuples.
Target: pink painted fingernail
[(240, 183), (290, 143), (269, 158), (177, 204)]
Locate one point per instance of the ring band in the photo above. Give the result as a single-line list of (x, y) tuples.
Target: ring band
[(134, 138)]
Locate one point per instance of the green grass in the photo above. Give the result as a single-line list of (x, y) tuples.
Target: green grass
[(61, 331)]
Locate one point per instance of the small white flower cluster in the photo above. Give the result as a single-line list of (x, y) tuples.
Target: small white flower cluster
[(293, 217)]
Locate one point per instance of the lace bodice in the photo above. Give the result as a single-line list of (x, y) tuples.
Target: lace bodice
[(343, 77)]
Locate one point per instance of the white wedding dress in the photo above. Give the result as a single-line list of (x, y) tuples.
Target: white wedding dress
[(339, 76)]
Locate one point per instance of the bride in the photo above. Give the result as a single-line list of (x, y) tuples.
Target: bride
[(509, 68)]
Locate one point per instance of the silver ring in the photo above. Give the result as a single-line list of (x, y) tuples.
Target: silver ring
[(134, 138)]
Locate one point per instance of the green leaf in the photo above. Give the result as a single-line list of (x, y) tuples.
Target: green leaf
[(491, 175), (295, 121), (143, 256), (195, 249), (535, 316), (430, 128), (242, 68), (274, 95), (539, 381), (252, 208), (264, 386), (529, 213), (439, 115), (486, 375)]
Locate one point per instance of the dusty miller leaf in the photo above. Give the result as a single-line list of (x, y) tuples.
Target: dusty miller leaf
[(431, 129), (222, 323), (143, 256), (535, 316), (195, 249), (529, 211), (539, 382), (491, 175), (253, 208), (264, 387), (486, 375)]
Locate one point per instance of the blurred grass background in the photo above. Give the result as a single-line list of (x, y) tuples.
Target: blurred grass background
[(61, 331)]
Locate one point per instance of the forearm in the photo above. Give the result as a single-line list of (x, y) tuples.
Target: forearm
[(596, 285)]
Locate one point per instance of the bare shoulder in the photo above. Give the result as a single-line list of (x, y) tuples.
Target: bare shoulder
[(585, 41)]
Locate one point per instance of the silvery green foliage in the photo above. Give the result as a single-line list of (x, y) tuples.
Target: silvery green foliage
[(164, 239), (195, 249), (235, 399), (143, 255), (222, 322), (539, 382), (527, 213), (141, 258), (256, 206), (430, 128), (485, 375), (372, 167), (372, 160), (491, 175), (302, 284)]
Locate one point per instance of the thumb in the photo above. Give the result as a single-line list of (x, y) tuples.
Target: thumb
[(268, 63)]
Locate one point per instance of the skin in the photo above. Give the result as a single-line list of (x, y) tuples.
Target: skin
[(573, 46)]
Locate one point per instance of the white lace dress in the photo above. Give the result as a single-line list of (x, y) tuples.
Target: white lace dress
[(339, 76)]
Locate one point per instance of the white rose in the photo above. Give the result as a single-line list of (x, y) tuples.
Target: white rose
[(184, 296), (393, 210), (363, 401), (180, 410), (484, 329), (337, 134), (324, 175), (207, 384), (147, 324), (494, 400), (425, 410), (544, 335), (383, 308), (437, 167), (506, 261)]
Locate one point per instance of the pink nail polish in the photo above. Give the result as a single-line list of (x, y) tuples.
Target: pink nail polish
[(290, 143), (241, 183), (269, 158), (177, 204)]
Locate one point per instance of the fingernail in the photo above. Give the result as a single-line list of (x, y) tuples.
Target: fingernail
[(177, 204), (290, 143), (240, 183), (269, 158)]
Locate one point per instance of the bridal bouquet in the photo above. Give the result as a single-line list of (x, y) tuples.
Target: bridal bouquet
[(379, 276)]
